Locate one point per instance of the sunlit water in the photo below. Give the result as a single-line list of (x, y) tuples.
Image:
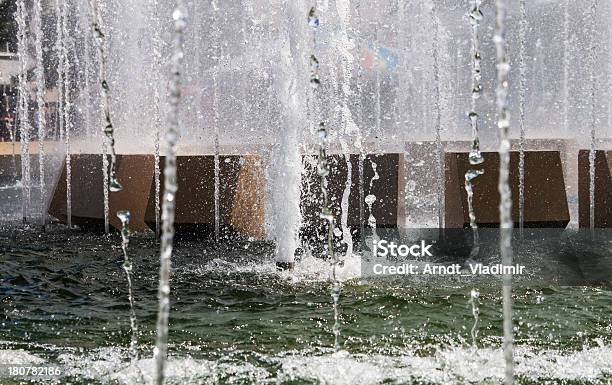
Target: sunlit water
[(235, 320)]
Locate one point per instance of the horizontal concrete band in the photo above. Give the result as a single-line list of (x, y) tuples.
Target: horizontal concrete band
[(242, 190)]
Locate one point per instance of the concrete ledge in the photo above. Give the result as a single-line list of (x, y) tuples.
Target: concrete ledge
[(545, 196), (603, 189)]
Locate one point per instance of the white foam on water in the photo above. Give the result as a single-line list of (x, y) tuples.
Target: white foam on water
[(19, 357), (307, 269), (109, 364), (448, 366)]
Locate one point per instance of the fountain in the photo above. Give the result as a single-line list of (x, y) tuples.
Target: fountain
[(267, 151)]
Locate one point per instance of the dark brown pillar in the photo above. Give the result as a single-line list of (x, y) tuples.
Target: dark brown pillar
[(603, 189), (241, 207), (545, 196), (385, 189), (134, 172)]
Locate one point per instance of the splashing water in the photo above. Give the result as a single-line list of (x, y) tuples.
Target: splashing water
[(83, 9), (215, 79), (323, 171), (346, 232), (125, 216), (505, 205), (349, 125), (66, 66), (361, 194), (217, 186), (108, 130), (156, 66), (475, 16), (156, 176), (566, 64), (438, 115), (593, 79), (24, 121), (377, 85), (521, 119), (40, 104), (474, 296), (170, 187)]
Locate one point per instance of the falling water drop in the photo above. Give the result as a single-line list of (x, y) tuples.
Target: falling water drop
[(369, 200), (313, 19), (125, 216), (315, 82), (469, 176)]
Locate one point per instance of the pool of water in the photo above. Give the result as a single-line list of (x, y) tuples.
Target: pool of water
[(236, 320)]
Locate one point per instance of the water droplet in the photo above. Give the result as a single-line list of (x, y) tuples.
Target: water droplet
[(115, 186), (370, 199), (411, 185), (476, 156), (474, 293), (471, 174), (124, 216), (313, 19), (322, 131), (314, 63), (475, 16)]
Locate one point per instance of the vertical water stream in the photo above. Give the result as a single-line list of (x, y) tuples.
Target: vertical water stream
[(179, 16), (505, 204), (40, 104)]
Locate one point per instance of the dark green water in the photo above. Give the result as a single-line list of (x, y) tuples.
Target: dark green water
[(235, 320)]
